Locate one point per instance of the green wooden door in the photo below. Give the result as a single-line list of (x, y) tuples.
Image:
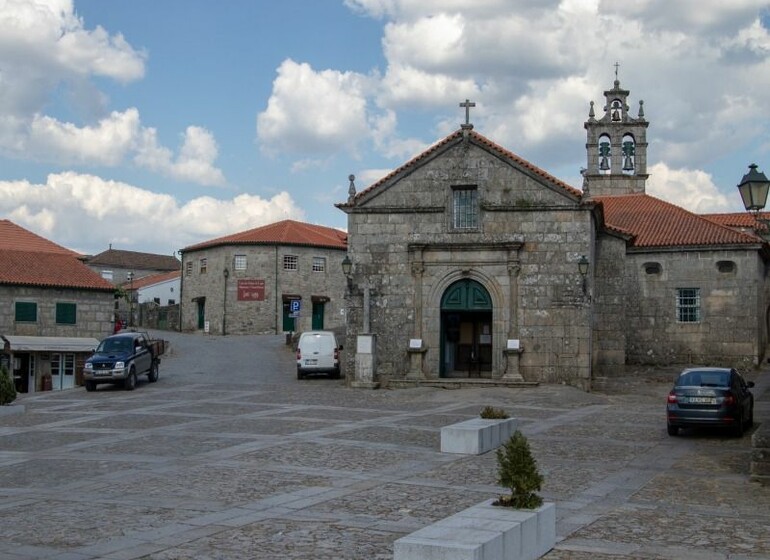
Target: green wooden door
[(466, 329), (318, 315)]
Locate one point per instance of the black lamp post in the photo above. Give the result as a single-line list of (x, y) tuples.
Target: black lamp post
[(226, 274), (753, 188), (131, 299), (347, 269)]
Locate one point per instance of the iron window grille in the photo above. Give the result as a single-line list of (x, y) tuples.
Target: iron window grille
[(688, 305)]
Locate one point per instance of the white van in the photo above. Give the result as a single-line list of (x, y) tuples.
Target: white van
[(318, 352)]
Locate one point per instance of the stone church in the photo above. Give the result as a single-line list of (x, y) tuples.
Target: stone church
[(471, 262)]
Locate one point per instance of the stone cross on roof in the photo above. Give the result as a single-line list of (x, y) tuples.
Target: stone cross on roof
[(467, 106)]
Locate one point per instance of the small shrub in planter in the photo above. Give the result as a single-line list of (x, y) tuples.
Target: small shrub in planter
[(7, 388), (517, 470), (492, 413)]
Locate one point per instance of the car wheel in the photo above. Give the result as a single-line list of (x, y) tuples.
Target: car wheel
[(672, 430), (153, 375), (750, 422), (300, 375), (130, 382), (335, 374), (90, 386)]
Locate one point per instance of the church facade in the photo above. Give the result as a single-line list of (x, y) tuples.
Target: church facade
[(468, 261)]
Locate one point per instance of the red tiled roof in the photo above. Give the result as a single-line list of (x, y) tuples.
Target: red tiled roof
[(135, 260), (656, 223), (742, 220), (53, 270), (26, 259), (16, 238), (152, 279), (286, 232), (476, 138)]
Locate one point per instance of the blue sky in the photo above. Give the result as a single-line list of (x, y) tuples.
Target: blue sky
[(152, 125)]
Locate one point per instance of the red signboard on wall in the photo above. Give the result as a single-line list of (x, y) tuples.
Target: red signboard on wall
[(251, 289)]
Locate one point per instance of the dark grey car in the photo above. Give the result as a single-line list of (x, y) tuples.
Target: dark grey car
[(718, 397)]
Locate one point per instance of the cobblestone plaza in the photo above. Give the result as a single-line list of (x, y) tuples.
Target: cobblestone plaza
[(229, 456)]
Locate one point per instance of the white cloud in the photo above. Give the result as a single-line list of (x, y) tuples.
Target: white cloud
[(691, 189), (195, 161), (104, 144), (314, 112), (46, 51), (90, 213)]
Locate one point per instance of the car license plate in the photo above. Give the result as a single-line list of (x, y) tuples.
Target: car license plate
[(703, 400), (311, 362)]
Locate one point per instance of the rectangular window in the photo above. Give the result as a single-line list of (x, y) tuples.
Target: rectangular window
[(188, 268), (26, 312), (290, 262), (239, 262), (171, 301), (203, 266), (66, 313), (688, 305), (107, 275), (465, 208), (62, 364), (319, 264)]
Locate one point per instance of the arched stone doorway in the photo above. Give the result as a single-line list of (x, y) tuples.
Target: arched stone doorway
[(466, 330)]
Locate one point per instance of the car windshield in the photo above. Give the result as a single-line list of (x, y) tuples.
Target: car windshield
[(704, 379), (115, 345)]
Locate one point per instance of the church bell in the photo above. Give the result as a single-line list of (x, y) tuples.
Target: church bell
[(604, 165), (628, 164)]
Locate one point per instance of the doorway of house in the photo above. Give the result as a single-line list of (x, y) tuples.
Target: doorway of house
[(466, 330)]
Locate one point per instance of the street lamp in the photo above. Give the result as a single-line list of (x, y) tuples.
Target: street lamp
[(131, 299), (347, 268), (226, 274), (753, 188)]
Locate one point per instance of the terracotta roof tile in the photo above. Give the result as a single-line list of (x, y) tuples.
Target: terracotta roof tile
[(478, 139), (286, 232), (53, 270), (135, 260), (656, 223), (14, 237), (153, 279), (741, 220)]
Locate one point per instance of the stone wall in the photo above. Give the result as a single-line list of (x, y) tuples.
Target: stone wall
[(731, 329), (94, 311), (524, 253), (161, 317), (224, 309), (610, 293)]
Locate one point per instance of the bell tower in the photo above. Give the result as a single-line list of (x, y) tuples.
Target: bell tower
[(616, 145)]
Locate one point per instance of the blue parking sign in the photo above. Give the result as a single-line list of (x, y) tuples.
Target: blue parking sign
[(294, 305)]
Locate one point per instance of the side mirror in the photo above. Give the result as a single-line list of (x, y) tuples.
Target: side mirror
[(749, 384), (340, 347)]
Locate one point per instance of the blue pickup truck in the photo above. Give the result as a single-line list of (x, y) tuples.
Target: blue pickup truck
[(120, 358)]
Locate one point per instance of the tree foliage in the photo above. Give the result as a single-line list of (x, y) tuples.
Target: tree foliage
[(517, 471), (7, 388)]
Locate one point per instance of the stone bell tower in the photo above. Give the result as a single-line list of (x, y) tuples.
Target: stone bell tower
[(616, 145)]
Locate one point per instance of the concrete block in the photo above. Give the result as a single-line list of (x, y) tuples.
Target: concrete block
[(477, 435), (483, 532)]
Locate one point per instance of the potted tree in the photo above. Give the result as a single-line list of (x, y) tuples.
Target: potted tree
[(7, 393)]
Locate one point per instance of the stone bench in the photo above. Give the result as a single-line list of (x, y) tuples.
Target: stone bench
[(477, 435), (483, 532)]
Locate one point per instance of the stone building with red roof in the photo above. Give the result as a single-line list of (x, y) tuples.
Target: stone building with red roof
[(281, 277), (468, 262), (53, 309)]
